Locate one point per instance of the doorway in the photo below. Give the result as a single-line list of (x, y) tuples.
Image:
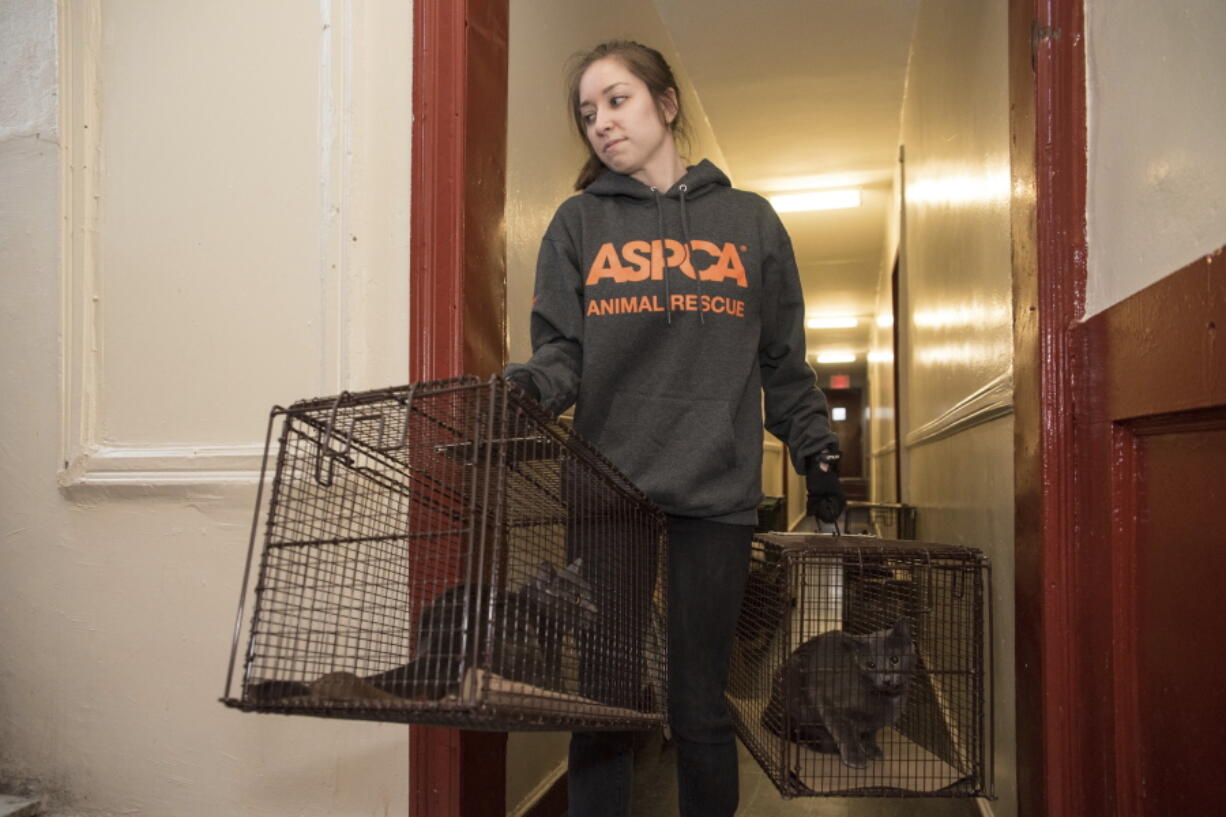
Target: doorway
[(534, 199)]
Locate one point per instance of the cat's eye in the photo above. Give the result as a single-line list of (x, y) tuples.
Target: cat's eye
[(893, 659), (871, 665)]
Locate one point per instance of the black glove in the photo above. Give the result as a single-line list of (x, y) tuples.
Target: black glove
[(524, 382), (826, 499)]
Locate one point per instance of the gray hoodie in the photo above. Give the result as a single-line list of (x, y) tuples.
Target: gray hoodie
[(665, 354)]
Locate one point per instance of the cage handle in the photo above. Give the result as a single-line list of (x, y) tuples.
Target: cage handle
[(408, 415), (323, 445), (959, 591)]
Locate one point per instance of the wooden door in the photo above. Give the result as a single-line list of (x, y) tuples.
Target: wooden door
[(1153, 441)]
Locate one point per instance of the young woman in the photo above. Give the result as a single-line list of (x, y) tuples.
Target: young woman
[(666, 303)]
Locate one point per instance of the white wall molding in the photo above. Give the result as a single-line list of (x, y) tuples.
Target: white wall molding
[(885, 451), (993, 400), (118, 466), (348, 291), (80, 35)]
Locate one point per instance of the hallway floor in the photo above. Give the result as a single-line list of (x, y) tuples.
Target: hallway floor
[(655, 794)]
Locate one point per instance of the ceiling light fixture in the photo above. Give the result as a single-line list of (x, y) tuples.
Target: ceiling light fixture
[(836, 357), (833, 322), (815, 200)]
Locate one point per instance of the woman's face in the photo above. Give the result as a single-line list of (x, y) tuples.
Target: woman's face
[(622, 122)]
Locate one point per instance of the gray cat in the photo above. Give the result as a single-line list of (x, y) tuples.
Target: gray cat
[(843, 689), (528, 626)]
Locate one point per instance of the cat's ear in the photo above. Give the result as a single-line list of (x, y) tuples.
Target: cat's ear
[(576, 564), (902, 629), (546, 573)]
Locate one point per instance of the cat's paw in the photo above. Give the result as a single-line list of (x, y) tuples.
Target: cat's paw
[(853, 758)]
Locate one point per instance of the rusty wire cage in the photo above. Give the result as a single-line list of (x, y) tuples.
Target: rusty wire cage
[(445, 553), (861, 667), (884, 520)]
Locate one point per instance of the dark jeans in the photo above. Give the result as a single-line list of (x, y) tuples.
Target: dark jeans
[(707, 565)]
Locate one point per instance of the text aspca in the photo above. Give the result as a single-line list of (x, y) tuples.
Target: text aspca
[(639, 260)]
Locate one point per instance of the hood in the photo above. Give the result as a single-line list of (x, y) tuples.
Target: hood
[(699, 180)]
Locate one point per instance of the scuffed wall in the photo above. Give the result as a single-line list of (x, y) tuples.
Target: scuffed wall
[(1156, 186), (234, 257)]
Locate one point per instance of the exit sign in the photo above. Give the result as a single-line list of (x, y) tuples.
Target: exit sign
[(840, 381)]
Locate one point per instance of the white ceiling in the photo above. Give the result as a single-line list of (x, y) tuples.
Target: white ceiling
[(806, 94)]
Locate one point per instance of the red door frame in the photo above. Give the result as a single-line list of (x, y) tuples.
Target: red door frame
[(457, 307), (457, 282), (1055, 582)]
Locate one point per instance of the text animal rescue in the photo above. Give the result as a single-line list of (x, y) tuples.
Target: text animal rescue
[(640, 260)]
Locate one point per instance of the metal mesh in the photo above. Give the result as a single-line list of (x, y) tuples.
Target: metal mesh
[(445, 553), (860, 667)]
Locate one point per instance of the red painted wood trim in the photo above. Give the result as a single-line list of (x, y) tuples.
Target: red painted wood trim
[(1047, 96), (1122, 555), (1161, 371), (1168, 334), (457, 279), (436, 234), (1060, 169), (1153, 366)]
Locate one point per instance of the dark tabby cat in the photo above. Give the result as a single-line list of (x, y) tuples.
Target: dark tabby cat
[(845, 688), (528, 627)]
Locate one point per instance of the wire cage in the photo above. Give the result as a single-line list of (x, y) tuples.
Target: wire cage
[(884, 520), (446, 553), (861, 667)]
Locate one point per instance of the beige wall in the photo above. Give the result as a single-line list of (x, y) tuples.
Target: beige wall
[(955, 317), (1156, 197), (204, 211), (543, 157)]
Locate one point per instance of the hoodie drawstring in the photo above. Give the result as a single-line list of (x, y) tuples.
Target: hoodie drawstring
[(668, 310), (685, 233)]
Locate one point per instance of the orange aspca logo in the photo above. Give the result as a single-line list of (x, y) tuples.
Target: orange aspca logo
[(639, 260)]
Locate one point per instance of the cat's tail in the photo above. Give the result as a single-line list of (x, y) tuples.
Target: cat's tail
[(267, 691)]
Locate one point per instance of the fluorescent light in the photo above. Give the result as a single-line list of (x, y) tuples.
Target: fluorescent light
[(816, 200), (885, 320), (833, 322), (836, 357), (881, 356)]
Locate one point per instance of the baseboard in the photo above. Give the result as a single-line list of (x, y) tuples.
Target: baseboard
[(548, 799)]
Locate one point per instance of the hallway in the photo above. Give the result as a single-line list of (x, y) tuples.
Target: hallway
[(207, 209)]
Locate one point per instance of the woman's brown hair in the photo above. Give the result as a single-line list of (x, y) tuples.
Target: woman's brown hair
[(645, 63)]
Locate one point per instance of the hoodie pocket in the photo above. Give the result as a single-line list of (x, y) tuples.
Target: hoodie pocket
[(679, 450)]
